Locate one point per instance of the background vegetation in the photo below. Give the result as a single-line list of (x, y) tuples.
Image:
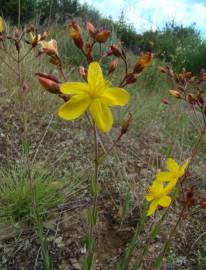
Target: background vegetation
[(183, 47)]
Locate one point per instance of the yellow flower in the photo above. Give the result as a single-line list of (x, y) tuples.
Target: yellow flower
[(50, 45), (174, 172), (34, 38), (1, 25), (97, 95), (158, 195)]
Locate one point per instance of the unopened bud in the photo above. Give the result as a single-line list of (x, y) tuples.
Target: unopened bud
[(91, 29), (143, 62), (115, 50), (190, 197), (75, 34), (24, 86), (203, 203), (113, 65), (55, 60), (164, 100), (49, 84), (188, 74), (102, 36), (175, 93), (191, 99)]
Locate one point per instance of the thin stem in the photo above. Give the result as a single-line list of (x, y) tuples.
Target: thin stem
[(172, 233), (92, 215), (139, 228), (151, 236), (19, 13), (62, 73), (26, 54)]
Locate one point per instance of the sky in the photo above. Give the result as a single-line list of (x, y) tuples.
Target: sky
[(153, 14)]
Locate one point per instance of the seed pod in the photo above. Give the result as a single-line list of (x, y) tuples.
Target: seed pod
[(191, 99), (203, 203), (91, 29), (75, 34), (115, 50), (164, 100), (102, 36), (50, 85), (143, 62)]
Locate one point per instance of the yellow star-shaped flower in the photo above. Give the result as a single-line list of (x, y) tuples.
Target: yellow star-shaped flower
[(97, 95), (174, 172), (158, 195)]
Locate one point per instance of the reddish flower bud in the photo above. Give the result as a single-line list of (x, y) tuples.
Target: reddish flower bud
[(48, 76), (75, 34), (190, 197), (164, 100), (115, 50), (24, 86), (203, 203), (102, 36), (50, 85), (91, 29), (191, 99), (113, 65), (188, 74)]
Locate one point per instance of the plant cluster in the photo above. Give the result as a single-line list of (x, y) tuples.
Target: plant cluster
[(93, 95)]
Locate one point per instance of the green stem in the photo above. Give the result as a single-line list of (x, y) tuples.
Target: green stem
[(92, 214)]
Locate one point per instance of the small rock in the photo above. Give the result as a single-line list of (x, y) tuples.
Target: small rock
[(75, 264)]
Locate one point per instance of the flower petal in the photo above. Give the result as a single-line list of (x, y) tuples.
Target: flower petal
[(149, 197), (74, 88), (115, 96), (101, 114), (172, 165), (76, 106), (170, 186), (1, 25), (164, 176), (164, 201), (95, 77), (152, 208), (156, 187), (185, 165)]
